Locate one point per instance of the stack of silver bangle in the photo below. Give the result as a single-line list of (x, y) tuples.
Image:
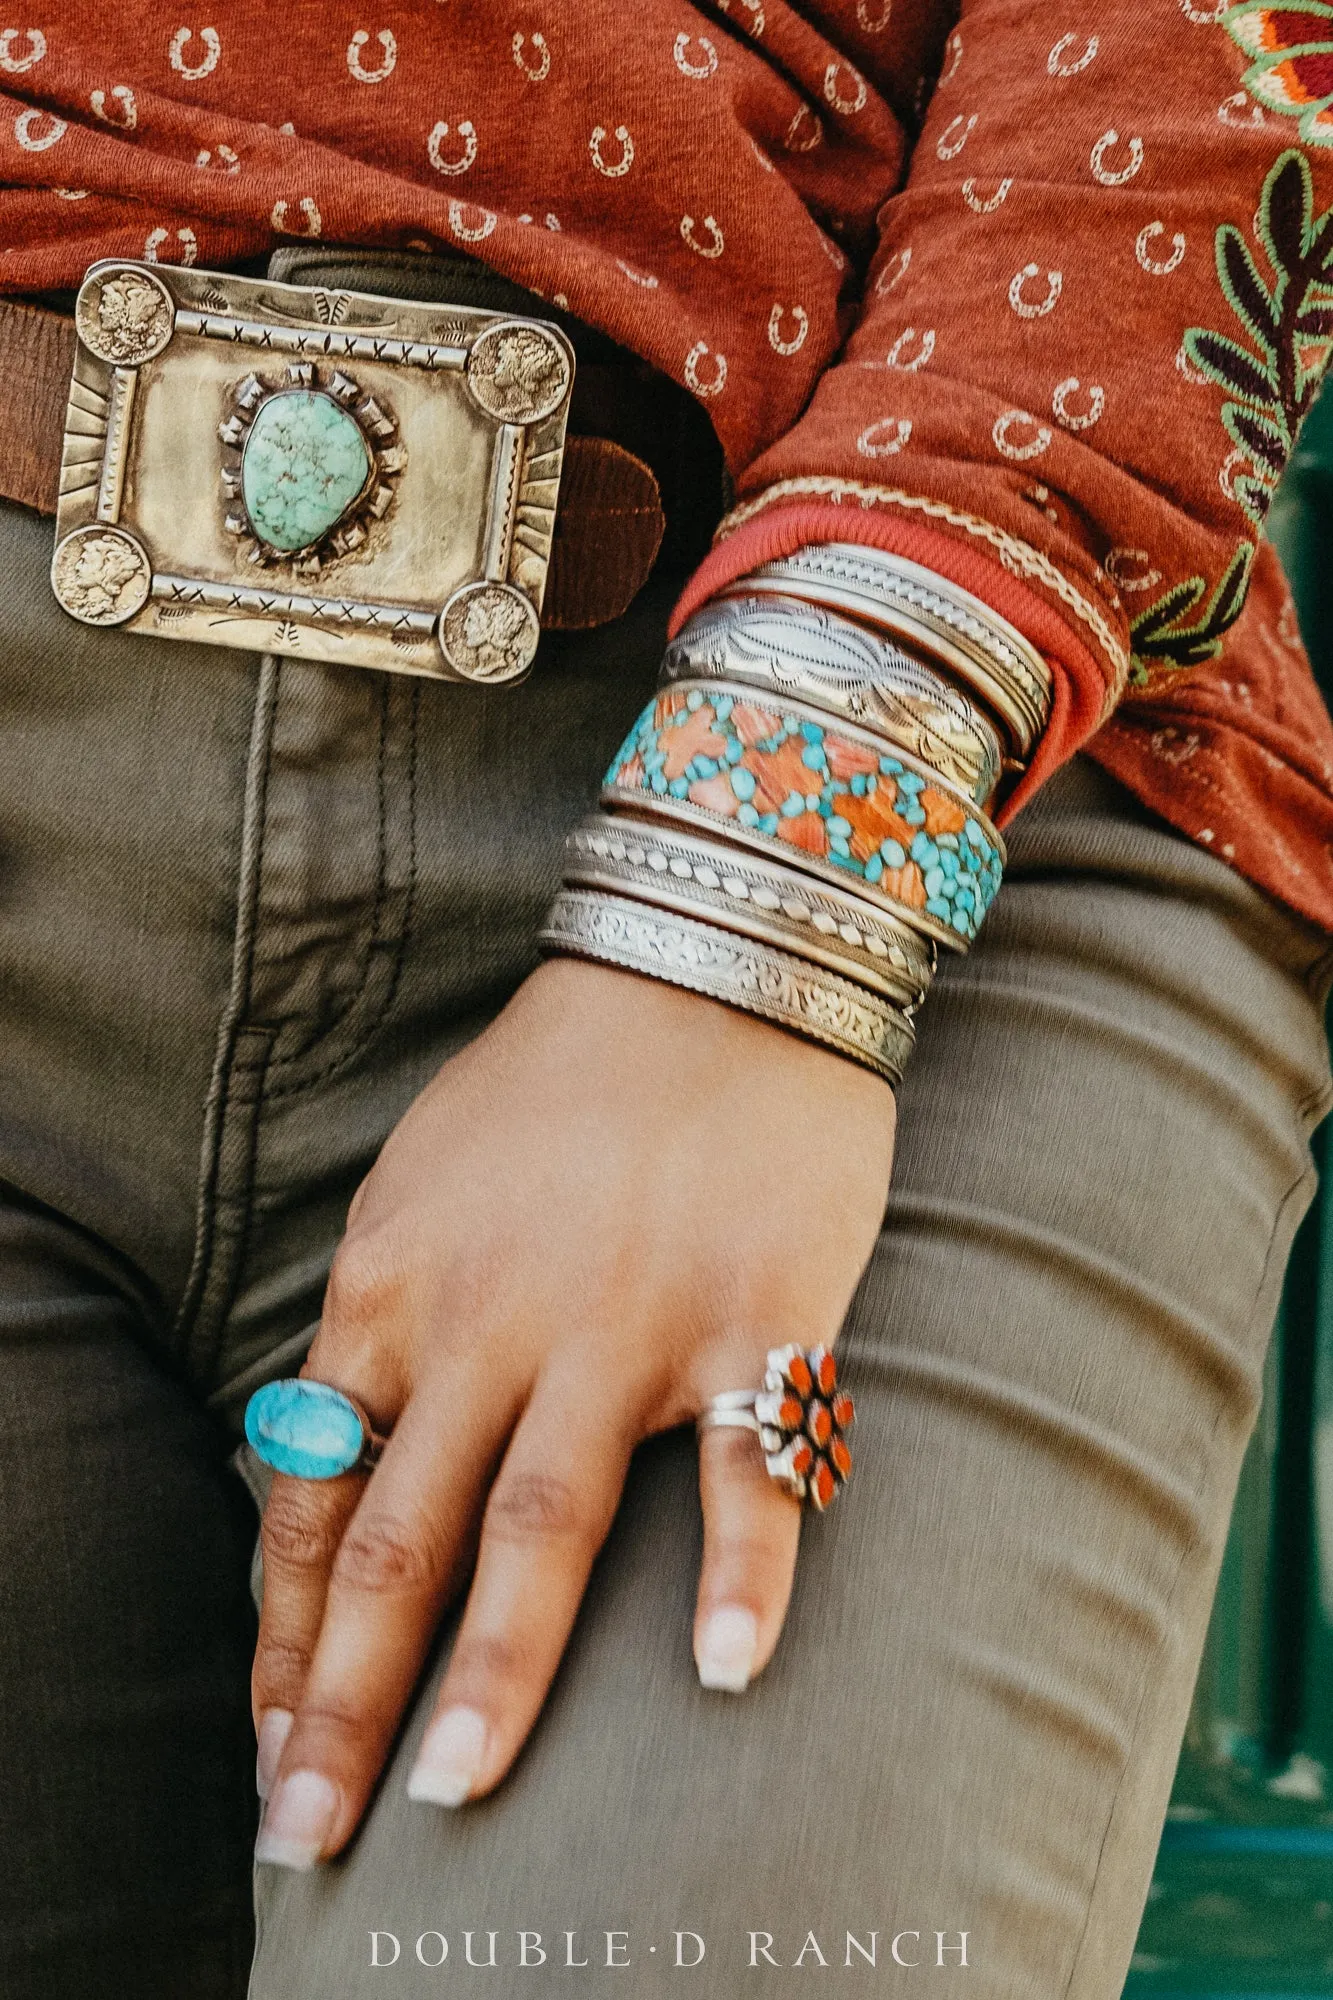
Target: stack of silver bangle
[(832, 697)]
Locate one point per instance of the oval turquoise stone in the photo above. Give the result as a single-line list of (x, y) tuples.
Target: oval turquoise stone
[(306, 461), (304, 1428)]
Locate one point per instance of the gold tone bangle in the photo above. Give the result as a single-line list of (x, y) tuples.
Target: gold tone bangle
[(760, 899), (705, 959)]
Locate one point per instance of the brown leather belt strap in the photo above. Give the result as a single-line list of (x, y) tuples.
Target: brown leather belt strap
[(608, 528)]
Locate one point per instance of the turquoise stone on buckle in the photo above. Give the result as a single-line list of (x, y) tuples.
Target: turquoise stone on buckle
[(306, 463), (309, 1430)]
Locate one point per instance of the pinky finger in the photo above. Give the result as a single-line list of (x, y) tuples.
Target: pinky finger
[(751, 1530)]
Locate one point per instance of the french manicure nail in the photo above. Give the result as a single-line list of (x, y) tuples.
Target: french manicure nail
[(298, 1821), (450, 1758), (275, 1726), (726, 1649)]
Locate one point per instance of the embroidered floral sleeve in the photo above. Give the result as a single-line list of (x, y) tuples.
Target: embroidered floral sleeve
[(1099, 311)]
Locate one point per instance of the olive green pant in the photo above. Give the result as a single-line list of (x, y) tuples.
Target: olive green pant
[(245, 910)]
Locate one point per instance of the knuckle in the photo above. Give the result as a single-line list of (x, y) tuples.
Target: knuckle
[(367, 1283), (384, 1555), (488, 1659), (280, 1669), (294, 1534), (524, 1505)]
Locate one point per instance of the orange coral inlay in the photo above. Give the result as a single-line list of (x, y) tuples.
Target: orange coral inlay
[(823, 1484), (819, 1423), (790, 1412), (828, 1374), (841, 1458), (802, 1458), (798, 1374), (844, 1409)]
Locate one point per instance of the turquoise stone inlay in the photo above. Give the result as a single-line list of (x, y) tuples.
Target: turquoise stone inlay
[(304, 1428), (306, 461)]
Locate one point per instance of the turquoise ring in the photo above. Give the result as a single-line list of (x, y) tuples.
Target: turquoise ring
[(309, 1430)]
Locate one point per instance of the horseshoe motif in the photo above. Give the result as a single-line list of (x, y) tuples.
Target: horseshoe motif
[(1142, 577), (988, 207), (157, 237), (1114, 177), (762, 157), (1251, 114), (313, 220), (755, 10), (1035, 446), (848, 106), (386, 41), (894, 357), (1057, 66), (692, 378), (1204, 17), (714, 247), (124, 96), (626, 145), (898, 266), (1234, 462), (71, 194), (955, 47), (793, 143), (775, 319), (874, 24), (25, 130), (539, 42), (644, 278), (467, 132), (176, 53), (466, 232), (1185, 367), (227, 161), (1060, 404), (832, 252), (682, 57), (949, 149), (16, 65), (1158, 267), (1054, 286), (884, 437)]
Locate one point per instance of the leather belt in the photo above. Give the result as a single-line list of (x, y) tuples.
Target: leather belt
[(299, 468)]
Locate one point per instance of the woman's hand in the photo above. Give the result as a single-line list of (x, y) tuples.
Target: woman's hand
[(603, 1212)]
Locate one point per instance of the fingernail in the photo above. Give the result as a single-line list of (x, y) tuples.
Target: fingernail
[(275, 1726), (726, 1649), (450, 1758), (298, 1821)]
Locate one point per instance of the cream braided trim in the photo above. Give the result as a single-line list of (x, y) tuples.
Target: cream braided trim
[(1015, 555)]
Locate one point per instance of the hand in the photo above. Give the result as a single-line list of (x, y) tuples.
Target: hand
[(617, 1184)]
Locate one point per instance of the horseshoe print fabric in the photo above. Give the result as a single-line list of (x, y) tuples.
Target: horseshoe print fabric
[(1038, 296)]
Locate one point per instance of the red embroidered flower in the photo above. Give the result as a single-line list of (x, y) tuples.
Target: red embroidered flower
[(1292, 43)]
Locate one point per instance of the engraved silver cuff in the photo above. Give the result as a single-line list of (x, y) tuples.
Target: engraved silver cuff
[(948, 623), (807, 652), (774, 985)]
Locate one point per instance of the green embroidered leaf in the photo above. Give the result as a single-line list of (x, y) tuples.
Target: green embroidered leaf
[(1315, 322), (1229, 363), (1286, 209), (1259, 437), (1165, 636), (1244, 287)]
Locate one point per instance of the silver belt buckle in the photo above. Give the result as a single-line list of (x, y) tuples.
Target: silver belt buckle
[(324, 473)]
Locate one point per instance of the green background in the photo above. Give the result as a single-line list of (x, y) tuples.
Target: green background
[(1242, 1895)]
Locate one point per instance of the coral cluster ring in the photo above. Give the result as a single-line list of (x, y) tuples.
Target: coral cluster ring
[(800, 1417), (310, 1430)]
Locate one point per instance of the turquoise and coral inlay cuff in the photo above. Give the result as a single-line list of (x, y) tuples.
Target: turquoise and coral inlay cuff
[(832, 800)]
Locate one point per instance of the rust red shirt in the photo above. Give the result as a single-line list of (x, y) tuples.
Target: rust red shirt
[(1035, 295)]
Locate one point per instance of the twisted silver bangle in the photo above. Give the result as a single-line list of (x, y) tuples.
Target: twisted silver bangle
[(838, 1013), (708, 879), (807, 652)]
